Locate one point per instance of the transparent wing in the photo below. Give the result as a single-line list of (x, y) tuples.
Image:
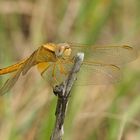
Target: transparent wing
[(55, 73), (100, 64), (93, 73), (42, 67), (31, 61), (24, 67), (90, 73), (10, 82), (106, 54)]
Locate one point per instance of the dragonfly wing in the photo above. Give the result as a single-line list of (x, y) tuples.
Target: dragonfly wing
[(91, 73), (42, 67), (31, 61), (47, 71), (98, 74), (56, 73), (116, 55), (10, 82), (22, 69), (40, 56)]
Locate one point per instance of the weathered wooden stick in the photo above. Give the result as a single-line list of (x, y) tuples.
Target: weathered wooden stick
[(63, 91)]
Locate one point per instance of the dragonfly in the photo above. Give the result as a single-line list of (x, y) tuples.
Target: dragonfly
[(54, 61)]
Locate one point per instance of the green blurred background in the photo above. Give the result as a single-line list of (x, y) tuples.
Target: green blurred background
[(95, 112)]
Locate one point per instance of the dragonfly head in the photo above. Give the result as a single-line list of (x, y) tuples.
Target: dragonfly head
[(63, 49)]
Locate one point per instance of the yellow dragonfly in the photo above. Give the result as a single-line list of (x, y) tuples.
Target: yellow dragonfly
[(54, 61)]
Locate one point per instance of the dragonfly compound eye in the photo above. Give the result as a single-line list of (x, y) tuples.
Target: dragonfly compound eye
[(59, 51), (62, 48)]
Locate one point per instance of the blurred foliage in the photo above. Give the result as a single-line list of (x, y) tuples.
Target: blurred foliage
[(95, 112)]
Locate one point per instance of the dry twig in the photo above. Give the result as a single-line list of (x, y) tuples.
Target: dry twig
[(63, 91)]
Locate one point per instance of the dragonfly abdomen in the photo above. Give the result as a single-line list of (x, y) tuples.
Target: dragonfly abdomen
[(11, 68)]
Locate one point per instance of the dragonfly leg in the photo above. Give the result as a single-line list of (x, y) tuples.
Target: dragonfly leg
[(53, 74), (62, 70)]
